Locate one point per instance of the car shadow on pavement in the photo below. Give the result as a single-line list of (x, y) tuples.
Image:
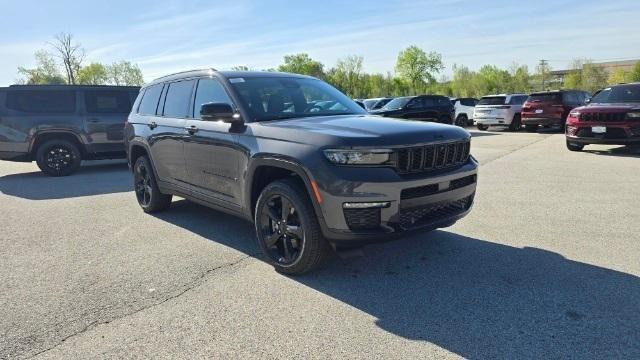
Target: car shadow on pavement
[(90, 180), (623, 151), (475, 298)]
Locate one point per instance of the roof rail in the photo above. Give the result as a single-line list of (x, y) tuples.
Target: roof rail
[(182, 73)]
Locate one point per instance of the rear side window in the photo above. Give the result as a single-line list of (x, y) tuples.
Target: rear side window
[(178, 99), (209, 91), (42, 102), (517, 100), (571, 97), (150, 99), (107, 102), (442, 101), (468, 102)]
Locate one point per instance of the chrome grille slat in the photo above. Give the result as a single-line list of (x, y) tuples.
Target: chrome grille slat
[(429, 157)]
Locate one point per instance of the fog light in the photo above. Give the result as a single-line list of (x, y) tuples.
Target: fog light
[(366, 205), (572, 130)]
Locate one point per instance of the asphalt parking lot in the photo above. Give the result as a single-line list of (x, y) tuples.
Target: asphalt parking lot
[(546, 266)]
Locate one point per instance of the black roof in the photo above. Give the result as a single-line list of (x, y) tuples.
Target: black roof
[(68, 87), (224, 74)]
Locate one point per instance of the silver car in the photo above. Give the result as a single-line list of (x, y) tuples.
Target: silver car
[(499, 110)]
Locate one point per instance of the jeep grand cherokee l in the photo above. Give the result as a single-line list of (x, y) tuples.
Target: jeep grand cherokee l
[(58, 126), (499, 110), (424, 107), (551, 108), (611, 117), (307, 178)]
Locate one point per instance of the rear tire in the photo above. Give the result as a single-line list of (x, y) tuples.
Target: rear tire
[(516, 123), (58, 157), (445, 120), (531, 128), (482, 127), (574, 147), (462, 120), (146, 188), (289, 251)]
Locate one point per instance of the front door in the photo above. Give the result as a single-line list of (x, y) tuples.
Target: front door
[(211, 150)]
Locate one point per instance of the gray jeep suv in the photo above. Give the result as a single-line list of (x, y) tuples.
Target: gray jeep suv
[(310, 177), (58, 126)]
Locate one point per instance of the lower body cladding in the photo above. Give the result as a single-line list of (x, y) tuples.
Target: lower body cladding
[(613, 134), (492, 121), (382, 211)]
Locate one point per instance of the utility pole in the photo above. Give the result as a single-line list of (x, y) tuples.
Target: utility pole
[(543, 65)]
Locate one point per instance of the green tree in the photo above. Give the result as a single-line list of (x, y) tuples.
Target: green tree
[(418, 67), (302, 64), (93, 74), (635, 72), (619, 76), (125, 73), (346, 76), (45, 72)]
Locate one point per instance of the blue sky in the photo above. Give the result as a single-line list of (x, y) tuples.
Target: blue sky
[(168, 36)]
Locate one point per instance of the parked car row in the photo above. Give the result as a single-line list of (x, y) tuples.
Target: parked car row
[(307, 165)]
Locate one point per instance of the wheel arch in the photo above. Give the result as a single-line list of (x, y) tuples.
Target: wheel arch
[(46, 135), (263, 171)]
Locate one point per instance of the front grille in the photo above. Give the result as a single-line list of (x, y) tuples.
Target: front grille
[(418, 216), (431, 157), (427, 190), (603, 117), (362, 219)]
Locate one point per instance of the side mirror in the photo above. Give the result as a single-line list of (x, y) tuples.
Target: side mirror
[(219, 112), (587, 101)]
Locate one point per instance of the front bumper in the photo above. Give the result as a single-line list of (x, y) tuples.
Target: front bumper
[(417, 204), (616, 134)]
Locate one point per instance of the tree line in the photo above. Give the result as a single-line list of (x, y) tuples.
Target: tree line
[(64, 63), (416, 72)]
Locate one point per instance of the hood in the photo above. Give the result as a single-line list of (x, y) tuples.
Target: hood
[(359, 130), (608, 107)]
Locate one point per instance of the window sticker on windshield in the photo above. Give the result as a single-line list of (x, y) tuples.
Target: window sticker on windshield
[(236, 80)]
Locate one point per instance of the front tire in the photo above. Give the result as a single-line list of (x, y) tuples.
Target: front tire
[(146, 188), (58, 158), (574, 147), (287, 229), (482, 127)]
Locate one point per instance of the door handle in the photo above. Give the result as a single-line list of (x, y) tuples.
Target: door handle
[(94, 120), (152, 125), (191, 129)]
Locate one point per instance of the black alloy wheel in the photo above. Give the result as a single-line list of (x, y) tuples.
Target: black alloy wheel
[(282, 230), (58, 158), (147, 192), (142, 184)]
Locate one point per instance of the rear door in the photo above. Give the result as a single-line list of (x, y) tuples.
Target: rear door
[(106, 112)]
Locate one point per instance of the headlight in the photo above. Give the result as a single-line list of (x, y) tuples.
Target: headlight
[(358, 157), (634, 115), (575, 114)]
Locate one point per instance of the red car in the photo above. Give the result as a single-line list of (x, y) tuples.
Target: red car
[(551, 108), (612, 117)]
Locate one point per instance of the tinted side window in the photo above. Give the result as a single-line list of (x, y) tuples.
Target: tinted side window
[(209, 91), (442, 101), (467, 102), (42, 102), (178, 99), (429, 102), (107, 102), (416, 103), (150, 99)]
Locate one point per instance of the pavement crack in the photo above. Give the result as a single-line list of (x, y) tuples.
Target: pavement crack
[(197, 282)]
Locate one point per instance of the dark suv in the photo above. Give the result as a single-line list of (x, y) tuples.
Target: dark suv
[(611, 117), (424, 107), (257, 145), (551, 108), (58, 125)]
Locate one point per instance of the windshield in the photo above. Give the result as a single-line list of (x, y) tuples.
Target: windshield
[(492, 100), (368, 104), (546, 97), (397, 103), (271, 98), (618, 94)]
